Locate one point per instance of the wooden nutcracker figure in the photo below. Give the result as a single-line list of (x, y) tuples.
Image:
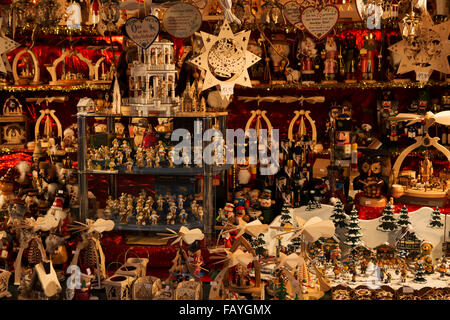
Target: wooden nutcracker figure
[(307, 54), (369, 53), (330, 63), (350, 55)]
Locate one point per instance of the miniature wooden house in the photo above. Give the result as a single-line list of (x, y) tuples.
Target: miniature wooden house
[(409, 242), (385, 251), (86, 105)]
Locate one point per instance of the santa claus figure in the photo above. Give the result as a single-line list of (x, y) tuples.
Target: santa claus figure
[(60, 215), (368, 54), (308, 53)]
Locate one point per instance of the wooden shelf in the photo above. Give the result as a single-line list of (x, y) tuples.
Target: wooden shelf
[(349, 86), (192, 171), (48, 87), (159, 115)]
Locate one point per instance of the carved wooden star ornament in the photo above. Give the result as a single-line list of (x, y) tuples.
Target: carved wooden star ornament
[(426, 52), (225, 60)]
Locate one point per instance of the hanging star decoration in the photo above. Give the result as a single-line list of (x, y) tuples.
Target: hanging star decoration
[(6, 45), (424, 49), (225, 60)]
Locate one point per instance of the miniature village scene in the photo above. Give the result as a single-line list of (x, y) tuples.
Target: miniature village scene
[(224, 150)]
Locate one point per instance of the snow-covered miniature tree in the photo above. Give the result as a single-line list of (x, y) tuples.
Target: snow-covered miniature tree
[(281, 292), (436, 221), (388, 222), (420, 274), (285, 216), (338, 215), (403, 221), (258, 245), (352, 237)]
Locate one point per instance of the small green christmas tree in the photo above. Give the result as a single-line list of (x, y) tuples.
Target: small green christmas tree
[(353, 235), (403, 221), (436, 221), (285, 216), (281, 291), (338, 215), (258, 245), (388, 222), (419, 274)]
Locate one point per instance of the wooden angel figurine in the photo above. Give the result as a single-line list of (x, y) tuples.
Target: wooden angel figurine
[(160, 203), (129, 164), (200, 213), (171, 157), (154, 217), (183, 216)]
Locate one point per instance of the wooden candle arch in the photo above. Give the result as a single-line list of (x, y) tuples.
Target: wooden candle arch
[(302, 131), (425, 141), (253, 116), (50, 113), (37, 75), (52, 68)]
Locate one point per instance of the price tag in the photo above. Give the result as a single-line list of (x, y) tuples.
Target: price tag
[(4, 254), (255, 258), (167, 289), (88, 271), (408, 290), (213, 283), (148, 286), (422, 76), (227, 89), (368, 203)]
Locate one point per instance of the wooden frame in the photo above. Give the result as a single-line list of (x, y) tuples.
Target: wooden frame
[(37, 73), (51, 113)]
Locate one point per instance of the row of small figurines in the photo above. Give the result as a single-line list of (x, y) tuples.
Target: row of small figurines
[(147, 209), (158, 156)]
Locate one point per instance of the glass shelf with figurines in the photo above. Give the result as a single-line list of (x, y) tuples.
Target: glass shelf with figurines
[(155, 213), (117, 146)]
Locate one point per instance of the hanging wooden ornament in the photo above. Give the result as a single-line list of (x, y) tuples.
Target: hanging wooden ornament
[(182, 20), (225, 60), (144, 31), (425, 50), (319, 21)]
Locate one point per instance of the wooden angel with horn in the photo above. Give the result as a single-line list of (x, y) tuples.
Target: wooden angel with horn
[(89, 243)]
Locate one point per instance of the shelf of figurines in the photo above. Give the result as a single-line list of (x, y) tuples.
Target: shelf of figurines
[(59, 88), (157, 171), (349, 85), (156, 227), (159, 114)]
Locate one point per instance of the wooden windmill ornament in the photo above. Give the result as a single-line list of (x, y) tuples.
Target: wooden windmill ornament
[(442, 118), (90, 242)]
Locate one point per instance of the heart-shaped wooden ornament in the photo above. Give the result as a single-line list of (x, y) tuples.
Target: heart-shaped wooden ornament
[(291, 11), (319, 22), (144, 31)]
